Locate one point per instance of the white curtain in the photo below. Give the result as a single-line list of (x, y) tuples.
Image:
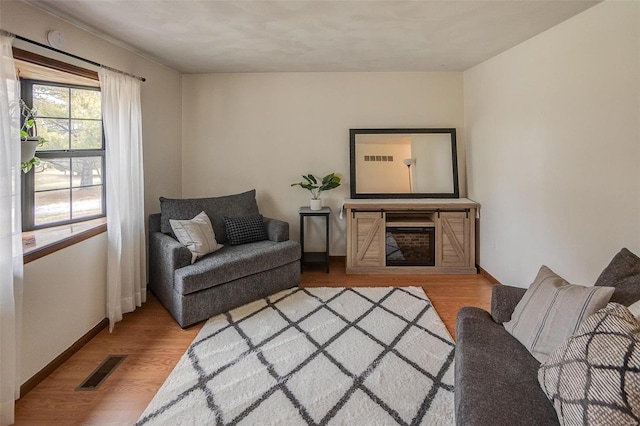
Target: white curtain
[(10, 235), (126, 258)]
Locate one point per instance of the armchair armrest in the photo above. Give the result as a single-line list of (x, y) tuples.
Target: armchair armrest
[(504, 299), (277, 230), (154, 223), (165, 256)]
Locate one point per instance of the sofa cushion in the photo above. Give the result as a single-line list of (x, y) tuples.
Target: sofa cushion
[(623, 273), (196, 235), (594, 377), (495, 376), (551, 311), (243, 230), (236, 205), (233, 262)]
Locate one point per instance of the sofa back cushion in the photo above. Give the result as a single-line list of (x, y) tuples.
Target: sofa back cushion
[(623, 273), (551, 310), (236, 205)]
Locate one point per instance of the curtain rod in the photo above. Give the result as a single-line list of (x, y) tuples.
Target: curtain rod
[(89, 61)]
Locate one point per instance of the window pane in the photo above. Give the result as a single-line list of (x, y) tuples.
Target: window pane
[(52, 206), (86, 134), (85, 104), (87, 201), (51, 101), (87, 171), (56, 133), (53, 174)]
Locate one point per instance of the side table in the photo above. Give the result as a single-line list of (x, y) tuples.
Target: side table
[(314, 258)]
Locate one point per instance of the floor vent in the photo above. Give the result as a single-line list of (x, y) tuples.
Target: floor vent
[(100, 374)]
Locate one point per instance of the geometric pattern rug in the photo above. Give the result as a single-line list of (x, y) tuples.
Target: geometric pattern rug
[(315, 356)]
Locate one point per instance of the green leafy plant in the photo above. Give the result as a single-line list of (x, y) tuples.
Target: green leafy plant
[(313, 185), (29, 130)]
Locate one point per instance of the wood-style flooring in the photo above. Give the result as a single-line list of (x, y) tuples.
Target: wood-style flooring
[(153, 343)]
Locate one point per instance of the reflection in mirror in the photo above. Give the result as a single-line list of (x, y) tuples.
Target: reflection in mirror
[(403, 163)]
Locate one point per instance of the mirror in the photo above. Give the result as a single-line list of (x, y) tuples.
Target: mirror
[(403, 163)]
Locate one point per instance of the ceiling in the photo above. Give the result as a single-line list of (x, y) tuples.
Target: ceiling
[(206, 36)]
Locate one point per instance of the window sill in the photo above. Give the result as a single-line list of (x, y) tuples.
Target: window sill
[(39, 243)]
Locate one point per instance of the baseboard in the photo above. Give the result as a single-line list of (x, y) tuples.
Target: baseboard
[(337, 258), (30, 384), (487, 275)]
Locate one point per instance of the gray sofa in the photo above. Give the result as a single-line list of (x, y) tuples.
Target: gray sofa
[(227, 278), (496, 378)]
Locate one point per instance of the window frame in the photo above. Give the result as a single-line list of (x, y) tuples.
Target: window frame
[(28, 179)]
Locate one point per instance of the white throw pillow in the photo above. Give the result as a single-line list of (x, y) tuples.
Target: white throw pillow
[(197, 235)]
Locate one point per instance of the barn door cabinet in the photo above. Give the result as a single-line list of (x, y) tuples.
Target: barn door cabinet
[(421, 236)]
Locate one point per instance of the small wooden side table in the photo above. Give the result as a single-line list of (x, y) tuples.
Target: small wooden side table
[(314, 258)]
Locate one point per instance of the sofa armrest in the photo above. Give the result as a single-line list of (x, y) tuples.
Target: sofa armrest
[(165, 256), (277, 230), (504, 299)]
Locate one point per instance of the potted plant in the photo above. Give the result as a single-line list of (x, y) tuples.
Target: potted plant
[(29, 138), (310, 183)]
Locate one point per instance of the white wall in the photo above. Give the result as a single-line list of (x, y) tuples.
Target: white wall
[(553, 147), (263, 131), (64, 298)]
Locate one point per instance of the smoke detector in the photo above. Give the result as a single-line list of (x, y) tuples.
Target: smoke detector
[(56, 39)]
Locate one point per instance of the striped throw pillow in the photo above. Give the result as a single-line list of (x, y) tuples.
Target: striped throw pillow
[(552, 310)]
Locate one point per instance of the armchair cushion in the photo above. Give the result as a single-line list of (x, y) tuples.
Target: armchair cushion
[(234, 262), (236, 205)]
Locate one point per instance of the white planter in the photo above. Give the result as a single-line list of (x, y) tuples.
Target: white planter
[(28, 149), (315, 204)]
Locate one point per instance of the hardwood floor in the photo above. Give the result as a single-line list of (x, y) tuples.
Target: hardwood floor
[(153, 343)]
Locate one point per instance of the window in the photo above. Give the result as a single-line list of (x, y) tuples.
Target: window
[(68, 184)]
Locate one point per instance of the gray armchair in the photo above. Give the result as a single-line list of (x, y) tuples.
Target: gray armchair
[(223, 280)]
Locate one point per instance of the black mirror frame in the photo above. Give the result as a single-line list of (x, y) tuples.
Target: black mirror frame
[(454, 156)]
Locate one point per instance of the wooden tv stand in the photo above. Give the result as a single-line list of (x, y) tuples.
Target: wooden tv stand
[(450, 224)]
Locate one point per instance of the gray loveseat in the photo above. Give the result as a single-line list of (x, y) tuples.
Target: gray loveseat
[(227, 278), (496, 378)]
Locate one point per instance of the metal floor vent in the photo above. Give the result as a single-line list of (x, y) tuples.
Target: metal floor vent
[(100, 374)]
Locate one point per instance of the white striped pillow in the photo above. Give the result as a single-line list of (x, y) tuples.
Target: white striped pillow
[(197, 235), (552, 310)]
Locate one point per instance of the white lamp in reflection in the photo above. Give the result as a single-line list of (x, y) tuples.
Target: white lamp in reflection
[(409, 162)]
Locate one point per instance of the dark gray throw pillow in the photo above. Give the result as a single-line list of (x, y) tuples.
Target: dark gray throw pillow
[(623, 273), (242, 230), (216, 208)]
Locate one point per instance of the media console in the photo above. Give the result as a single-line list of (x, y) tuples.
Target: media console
[(413, 236)]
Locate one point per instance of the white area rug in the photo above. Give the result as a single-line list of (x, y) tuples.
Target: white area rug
[(345, 356)]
